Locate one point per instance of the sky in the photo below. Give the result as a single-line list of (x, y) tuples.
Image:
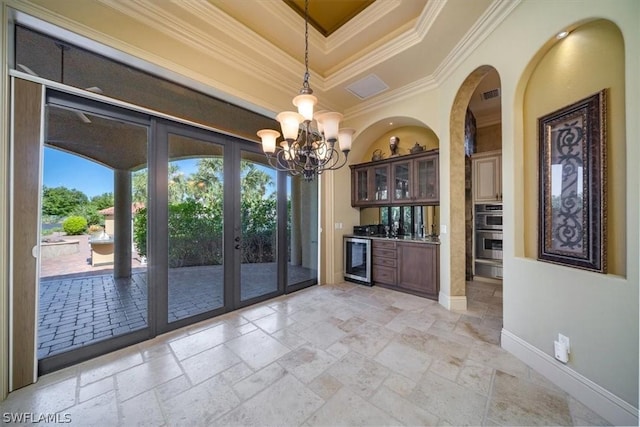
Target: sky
[(74, 172)]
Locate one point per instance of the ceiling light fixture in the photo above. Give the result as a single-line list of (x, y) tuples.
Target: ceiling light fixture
[(309, 146), (562, 34)]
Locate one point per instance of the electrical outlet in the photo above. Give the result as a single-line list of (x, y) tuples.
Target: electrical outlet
[(565, 341), (560, 352)]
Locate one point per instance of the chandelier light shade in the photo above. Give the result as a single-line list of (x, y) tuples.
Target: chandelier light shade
[(309, 147)]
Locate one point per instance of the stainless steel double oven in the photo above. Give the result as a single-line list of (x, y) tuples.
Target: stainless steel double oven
[(488, 240)]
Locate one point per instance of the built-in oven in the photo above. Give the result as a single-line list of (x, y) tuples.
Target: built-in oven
[(489, 245), (488, 216), (357, 260), (488, 240)]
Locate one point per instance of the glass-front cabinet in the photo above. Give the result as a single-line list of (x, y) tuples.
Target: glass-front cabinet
[(402, 181), (426, 182), (411, 179), (370, 185), (360, 186), (381, 183)]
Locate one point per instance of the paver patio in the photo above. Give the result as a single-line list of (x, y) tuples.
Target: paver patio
[(80, 304)]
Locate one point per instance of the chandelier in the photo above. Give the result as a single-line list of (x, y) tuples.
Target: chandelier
[(309, 147)]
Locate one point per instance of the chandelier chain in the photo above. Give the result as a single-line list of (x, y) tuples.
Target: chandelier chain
[(307, 150), (305, 83)]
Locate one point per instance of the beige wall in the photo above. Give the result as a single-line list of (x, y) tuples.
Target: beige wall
[(489, 138), (598, 312)]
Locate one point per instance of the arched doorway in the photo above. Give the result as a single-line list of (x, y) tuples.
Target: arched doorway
[(474, 98)]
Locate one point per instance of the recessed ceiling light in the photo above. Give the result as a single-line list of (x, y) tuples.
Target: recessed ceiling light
[(562, 34)]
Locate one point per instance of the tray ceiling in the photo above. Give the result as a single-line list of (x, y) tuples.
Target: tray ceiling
[(257, 46)]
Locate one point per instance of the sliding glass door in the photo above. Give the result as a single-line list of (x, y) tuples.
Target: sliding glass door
[(302, 232), (171, 225), (195, 201), (256, 239), (93, 290)]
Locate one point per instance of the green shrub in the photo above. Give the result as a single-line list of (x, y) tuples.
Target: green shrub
[(74, 225), (140, 231)]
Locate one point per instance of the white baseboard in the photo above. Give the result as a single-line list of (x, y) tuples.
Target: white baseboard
[(453, 303), (598, 399)]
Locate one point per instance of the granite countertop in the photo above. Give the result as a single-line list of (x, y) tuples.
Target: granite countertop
[(412, 239)]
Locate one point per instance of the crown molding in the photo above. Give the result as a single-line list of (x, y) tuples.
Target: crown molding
[(63, 28), (373, 13), (282, 75), (490, 19), (351, 69), (494, 15)]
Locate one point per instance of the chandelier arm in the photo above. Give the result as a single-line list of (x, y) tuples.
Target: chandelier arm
[(337, 164)]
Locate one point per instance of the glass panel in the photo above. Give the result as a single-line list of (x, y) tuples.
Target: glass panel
[(401, 181), (356, 259), (427, 178), (493, 244), (93, 277), (302, 230), (407, 221), (257, 242), (396, 216), (195, 256), (494, 220), (381, 183), (361, 183)]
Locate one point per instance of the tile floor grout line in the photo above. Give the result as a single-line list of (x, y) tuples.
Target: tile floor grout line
[(485, 417), (324, 309)]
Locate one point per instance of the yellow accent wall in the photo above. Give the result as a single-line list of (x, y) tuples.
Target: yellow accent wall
[(589, 60), (409, 136)]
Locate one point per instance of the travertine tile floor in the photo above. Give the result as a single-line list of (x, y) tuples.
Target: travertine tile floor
[(327, 355)]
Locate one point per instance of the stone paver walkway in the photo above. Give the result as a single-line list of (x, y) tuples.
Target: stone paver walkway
[(81, 305)]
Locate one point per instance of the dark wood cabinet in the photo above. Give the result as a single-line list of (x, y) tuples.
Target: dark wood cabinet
[(383, 262), (418, 266), (369, 185), (426, 188), (406, 266), (411, 179), (402, 181)]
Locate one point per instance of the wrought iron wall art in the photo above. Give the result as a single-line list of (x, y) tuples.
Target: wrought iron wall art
[(573, 179)]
